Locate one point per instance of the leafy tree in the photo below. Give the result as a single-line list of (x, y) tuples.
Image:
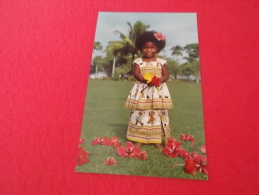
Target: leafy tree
[(107, 63), (193, 52), (97, 62), (94, 64), (192, 68), (104, 64), (172, 67)]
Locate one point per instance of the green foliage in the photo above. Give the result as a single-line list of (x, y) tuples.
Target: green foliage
[(191, 68), (126, 47), (131, 78), (122, 70), (176, 51), (105, 115), (115, 77), (138, 28), (193, 51), (97, 46), (172, 67), (103, 63)]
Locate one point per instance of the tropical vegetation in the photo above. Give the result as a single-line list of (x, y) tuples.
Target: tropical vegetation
[(119, 54)]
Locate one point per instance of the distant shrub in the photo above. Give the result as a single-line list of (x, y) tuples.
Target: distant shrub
[(116, 77), (131, 78)]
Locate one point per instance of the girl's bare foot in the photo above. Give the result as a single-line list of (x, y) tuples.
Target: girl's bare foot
[(139, 144), (160, 147)]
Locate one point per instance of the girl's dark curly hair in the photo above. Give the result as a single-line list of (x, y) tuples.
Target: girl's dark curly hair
[(149, 36)]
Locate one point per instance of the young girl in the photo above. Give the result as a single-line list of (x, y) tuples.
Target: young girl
[(149, 119)]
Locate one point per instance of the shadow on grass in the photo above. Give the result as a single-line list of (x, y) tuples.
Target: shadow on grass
[(119, 130)]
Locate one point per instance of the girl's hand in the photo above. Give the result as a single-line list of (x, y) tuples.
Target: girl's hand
[(137, 75), (150, 84)]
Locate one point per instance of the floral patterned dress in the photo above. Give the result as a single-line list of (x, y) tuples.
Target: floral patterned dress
[(149, 119)]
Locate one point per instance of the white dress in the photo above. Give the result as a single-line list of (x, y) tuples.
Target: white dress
[(149, 115)]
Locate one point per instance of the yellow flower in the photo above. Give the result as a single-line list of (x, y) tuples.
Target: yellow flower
[(149, 77)]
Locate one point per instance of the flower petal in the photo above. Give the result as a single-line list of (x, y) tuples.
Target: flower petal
[(135, 152), (187, 137), (166, 151), (159, 36), (172, 155), (181, 152), (170, 140), (113, 139), (200, 159), (106, 142), (148, 77), (129, 146), (96, 141), (142, 155), (203, 149), (189, 166), (121, 151), (82, 156), (110, 161), (156, 81), (81, 141)]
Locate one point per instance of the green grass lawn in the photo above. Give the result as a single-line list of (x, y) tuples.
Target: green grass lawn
[(105, 114)]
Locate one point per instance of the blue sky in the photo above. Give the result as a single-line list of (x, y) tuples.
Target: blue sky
[(178, 28)]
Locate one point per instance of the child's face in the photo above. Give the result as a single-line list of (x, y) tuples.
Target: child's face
[(149, 49)]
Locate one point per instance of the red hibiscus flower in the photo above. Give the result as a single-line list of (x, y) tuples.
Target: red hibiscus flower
[(187, 137), (159, 36), (82, 156), (198, 160), (110, 161), (156, 81), (130, 151), (199, 164), (103, 141), (203, 149), (189, 166), (170, 140), (189, 155), (142, 155), (115, 142), (172, 149)]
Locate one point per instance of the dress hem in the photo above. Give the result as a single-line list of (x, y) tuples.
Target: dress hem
[(152, 142)]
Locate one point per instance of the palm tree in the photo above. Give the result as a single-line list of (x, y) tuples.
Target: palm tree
[(97, 46), (138, 28), (122, 49), (176, 51), (127, 44)]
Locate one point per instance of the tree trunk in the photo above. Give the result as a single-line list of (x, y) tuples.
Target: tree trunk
[(175, 74), (133, 56), (113, 67)]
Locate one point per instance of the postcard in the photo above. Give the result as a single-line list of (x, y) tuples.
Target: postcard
[(143, 113)]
